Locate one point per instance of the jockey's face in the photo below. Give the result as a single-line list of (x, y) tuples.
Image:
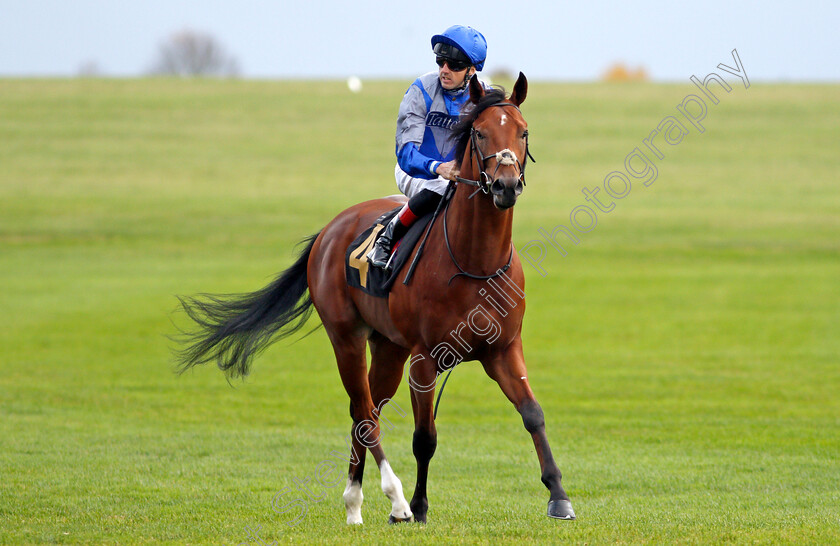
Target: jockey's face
[(450, 79)]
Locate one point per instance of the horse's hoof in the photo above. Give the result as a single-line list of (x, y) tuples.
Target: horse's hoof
[(560, 509), (393, 521)]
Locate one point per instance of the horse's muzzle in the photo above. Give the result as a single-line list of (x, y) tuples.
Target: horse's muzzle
[(506, 190)]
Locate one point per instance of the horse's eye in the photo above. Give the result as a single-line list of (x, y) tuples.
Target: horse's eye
[(479, 135), (525, 134)]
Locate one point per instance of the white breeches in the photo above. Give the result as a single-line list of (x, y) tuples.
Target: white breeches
[(412, 186)]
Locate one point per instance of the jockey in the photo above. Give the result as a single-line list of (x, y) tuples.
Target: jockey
[(425, 151)]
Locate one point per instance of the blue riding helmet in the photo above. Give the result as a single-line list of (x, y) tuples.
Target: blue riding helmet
[(464, 40)]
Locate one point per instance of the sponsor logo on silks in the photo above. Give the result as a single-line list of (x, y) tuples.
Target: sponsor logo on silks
[(440, 119)]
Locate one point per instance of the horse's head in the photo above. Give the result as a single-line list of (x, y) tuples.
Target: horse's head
[(499, 142)]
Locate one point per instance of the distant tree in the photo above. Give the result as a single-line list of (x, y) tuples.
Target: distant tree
[(618, 72), (89, 69), (502, 74), (190, 53)]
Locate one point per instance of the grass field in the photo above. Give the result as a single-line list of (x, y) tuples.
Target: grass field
[(686, 353)]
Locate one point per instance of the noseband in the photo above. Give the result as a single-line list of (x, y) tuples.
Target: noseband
[(504, 157)]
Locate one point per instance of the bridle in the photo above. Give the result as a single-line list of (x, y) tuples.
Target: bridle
[(503, 157)]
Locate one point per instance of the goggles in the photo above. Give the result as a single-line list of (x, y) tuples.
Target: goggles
[(451, 55), (454, 65)]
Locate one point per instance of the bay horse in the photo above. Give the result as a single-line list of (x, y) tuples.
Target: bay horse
[(449, 289)]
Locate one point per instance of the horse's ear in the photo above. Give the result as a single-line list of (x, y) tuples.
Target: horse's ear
[(520, 90), (476, 90)]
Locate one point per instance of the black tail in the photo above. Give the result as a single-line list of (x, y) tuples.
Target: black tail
[(235, 327)]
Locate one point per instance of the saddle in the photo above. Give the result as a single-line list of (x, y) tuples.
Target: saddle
[(376, 281)]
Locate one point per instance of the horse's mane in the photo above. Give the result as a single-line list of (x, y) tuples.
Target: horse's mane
[(461, 130)]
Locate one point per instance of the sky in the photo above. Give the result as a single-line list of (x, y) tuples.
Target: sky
[(546, 39)]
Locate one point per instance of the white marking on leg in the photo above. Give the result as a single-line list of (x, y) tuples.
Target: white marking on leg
[(504, 120), (353, 498), (392, 487)]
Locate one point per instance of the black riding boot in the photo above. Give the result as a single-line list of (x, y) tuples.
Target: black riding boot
[(422, 203), (381, 251)]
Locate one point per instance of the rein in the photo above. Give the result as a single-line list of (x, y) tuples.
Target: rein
[(461, 270)]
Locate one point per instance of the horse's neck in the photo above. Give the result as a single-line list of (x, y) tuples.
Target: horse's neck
[(479, 233)]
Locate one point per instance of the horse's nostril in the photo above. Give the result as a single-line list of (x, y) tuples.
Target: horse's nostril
[(497, 187), (519, 187)]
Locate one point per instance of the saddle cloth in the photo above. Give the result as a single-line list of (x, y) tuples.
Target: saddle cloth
[(374, 280)]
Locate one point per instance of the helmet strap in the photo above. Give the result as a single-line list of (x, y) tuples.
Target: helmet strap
[(467, 78)]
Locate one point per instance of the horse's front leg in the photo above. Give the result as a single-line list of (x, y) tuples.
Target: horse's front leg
[(422, 374), (507, 368)]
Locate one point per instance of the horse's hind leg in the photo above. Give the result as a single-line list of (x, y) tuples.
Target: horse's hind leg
[(387, 361), (349, 347), (348, 334), (350, 356), (353, 496)]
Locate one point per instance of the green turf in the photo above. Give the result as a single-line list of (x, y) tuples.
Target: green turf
[(686, 352)]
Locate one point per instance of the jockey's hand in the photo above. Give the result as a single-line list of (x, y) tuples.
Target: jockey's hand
[(448, 170)]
